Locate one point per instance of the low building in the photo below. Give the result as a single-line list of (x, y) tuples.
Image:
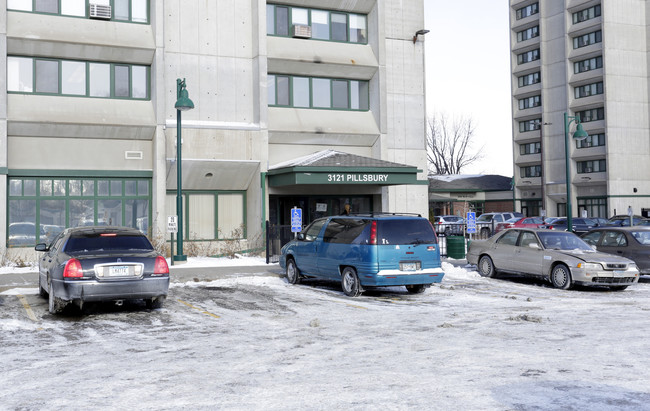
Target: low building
[(459, 193)]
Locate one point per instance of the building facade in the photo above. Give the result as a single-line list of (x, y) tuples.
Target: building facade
[(588, 59), (88, 128)]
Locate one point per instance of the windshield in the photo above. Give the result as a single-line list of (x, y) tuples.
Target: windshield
[(643, 237), (405, 231), (97, 242), (485, 217), (554, 240)]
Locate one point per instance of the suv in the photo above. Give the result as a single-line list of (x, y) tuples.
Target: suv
[(366, 250), (486, 223)]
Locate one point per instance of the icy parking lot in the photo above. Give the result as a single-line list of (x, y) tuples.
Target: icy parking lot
[(256, 342)]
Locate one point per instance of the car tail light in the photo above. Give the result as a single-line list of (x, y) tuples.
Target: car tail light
[(161, 266), (73, 269), (373, 233)]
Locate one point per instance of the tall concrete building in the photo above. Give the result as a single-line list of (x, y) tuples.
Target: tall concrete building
[(305, 103), (588, 59)]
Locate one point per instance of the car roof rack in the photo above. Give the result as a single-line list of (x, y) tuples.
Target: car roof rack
[(381, 214)]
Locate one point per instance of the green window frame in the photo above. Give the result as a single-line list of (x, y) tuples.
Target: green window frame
[(127, 11), (528, 79), (588, 39), (527, 34), (530, 148), (593, 140), (595, 206), (588, 90), (208, 214), (593, 114), (593, 63), (74, 78), (531, 171), (527, 11), (586, 14), (325, 24), (529, 125), (591, 166), (528, 56), (318, 93), (530, 102), (51, 204)]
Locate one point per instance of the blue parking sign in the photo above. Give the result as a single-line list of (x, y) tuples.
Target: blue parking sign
[(296, 220), (471, 222)]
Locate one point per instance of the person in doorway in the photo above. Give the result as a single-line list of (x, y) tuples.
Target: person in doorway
[(346, 209)]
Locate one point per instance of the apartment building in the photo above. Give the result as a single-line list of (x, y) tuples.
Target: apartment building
[(310, 104), (588, 59)]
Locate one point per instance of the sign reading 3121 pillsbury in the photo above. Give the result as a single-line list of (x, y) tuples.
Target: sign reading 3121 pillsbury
[(353, 178)]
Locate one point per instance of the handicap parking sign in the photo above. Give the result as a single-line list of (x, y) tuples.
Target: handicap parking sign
[(471, 222), (296, 220)]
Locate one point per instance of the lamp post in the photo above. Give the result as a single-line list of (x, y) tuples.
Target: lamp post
[(580, 134), (183, 103)]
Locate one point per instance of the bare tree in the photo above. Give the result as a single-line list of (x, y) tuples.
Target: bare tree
[(449, 144)]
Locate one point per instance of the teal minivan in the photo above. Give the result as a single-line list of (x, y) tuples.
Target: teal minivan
[(366, 250)]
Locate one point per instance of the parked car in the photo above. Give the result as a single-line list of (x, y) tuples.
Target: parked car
[(449, 224), (361, 251), (486, 223), (519, 222), (560, 257), (23, 234), (101, 263), (580, 225), (624, 220), (629, 242)]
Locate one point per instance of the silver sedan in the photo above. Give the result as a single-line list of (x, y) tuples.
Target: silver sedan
[(560, 257)]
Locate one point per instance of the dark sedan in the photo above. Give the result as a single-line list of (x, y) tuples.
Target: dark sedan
[(580, 225), (104, 263), (629, 242)]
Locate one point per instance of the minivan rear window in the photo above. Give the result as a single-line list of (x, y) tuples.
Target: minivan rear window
[(405, 231), (347, 231)]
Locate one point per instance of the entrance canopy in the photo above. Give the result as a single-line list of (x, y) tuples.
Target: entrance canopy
[(330, 167), (207, 174)]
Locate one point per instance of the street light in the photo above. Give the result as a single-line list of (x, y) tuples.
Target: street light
[(183, 103), (580, 134)]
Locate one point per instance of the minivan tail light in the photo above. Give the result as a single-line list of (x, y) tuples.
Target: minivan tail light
[(161, 266), (373, 233), (73, 269)]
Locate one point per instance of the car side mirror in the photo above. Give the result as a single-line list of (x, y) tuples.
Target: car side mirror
[(534, 245), (301, 236), (594, 247), (41, 247)]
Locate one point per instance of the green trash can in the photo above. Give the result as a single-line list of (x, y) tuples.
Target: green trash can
[(456, 247)]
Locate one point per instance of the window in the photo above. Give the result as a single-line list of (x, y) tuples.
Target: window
[(527, 11), (509, 238), (591, 166), (134, 11), (594, 140), (589, 90), (528, 102), (586, 14), (77, 78), (528, 56), (211, 215), (325, 24), (593, 114), (530, 148), (531, 171), (528, 34), (587, 39), (313, 92), (528, 79), (595, 207), (588, 64), (48, 205), (529, 125)]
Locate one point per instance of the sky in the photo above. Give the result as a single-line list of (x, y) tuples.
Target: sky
[(468, 74)]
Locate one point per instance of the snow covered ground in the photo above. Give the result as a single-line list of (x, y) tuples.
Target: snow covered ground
[(257, 342)]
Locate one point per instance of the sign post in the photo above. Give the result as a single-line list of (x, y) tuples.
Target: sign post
[(296, 220), (172, 227), (471, 223)]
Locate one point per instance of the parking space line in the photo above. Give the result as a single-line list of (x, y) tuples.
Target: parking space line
[(27, 308), (199, 309)]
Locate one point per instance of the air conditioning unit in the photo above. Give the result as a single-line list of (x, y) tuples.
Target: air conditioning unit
[(100, 11), (301, 31)]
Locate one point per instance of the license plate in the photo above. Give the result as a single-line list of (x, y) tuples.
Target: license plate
[(408, 266), (118, 271)]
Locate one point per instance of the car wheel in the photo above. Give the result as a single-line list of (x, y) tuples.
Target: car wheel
[(350, 282), (447, 231), (41, 291), (55, 304), (618, 287), (155, 303), (486, 267), (417, 288), (561, 277), (485, 232), (293, 274)]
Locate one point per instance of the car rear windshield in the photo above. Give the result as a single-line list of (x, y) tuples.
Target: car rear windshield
[(405, 231), (98, 242)]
